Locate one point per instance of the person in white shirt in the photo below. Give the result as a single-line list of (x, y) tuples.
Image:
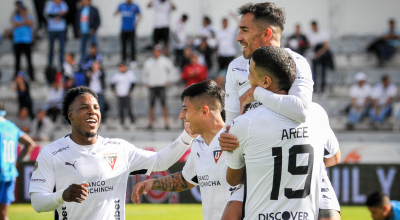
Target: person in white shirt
[(157, 71), (122, 84), (162, 14), (54, 100), (226, 49), (254, 32), (180, 38), (360, 94), (83, 175), (202, 107), (96, 81), (322, 57), (282, 158), (383, 95)]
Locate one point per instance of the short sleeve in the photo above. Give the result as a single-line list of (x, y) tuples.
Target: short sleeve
[(232, 102), (43, 176), (137, 9), (189, 171), (239, 128), (140, 161), (392, 91), (65, 7), (119, 8), (332, 144)]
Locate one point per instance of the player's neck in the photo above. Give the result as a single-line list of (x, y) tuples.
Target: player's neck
[(212, 130), (82, 139)]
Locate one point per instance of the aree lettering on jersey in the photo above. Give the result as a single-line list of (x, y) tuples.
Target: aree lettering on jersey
[(206, 167), (105, 166), (283, 176)]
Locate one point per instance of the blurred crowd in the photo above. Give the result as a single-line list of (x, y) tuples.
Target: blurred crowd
[(194, 57)]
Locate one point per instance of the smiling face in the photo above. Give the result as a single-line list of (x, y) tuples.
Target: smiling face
[(250, 36), (192, 116), (85, 117)]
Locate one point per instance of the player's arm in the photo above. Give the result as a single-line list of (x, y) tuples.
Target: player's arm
[(332, 161), (28, 143), (232, 104), (171, 183), (234, 176)]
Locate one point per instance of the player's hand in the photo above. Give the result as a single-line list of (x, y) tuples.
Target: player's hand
[(76, 193), (139, 189), (246, 98), (228, 142)]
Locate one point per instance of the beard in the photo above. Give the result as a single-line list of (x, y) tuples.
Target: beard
[(89, 135)]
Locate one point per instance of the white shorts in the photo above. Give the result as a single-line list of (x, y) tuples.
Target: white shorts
[(328, 199), (237, 194)]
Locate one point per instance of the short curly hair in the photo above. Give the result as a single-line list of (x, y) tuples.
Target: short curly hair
[(70, 97)]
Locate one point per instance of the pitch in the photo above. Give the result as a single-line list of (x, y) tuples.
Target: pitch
[(164, 211)]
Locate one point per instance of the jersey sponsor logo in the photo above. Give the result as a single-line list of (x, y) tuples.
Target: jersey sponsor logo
[(60, 150), (64, 213), (71, 164), (254, 105), (36, 166), (217, 155), (198, 141), (286, 215), (113, 142), (205, 181), (238, 69), (38, 180), (111, 159), (117, 213), (99, 187), (241, 83)]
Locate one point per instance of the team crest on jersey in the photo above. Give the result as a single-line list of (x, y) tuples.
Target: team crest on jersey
[(111, 159), (217, 155)]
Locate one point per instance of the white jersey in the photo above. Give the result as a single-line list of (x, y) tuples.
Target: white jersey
[(283, 160), (105, 166), (207, 167), (237, 83)]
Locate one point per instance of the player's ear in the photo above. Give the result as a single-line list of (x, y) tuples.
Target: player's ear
[(205, 110), (70, 115), (267, 34), (266, 82)]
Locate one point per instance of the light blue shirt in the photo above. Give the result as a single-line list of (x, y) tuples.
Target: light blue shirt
[(84, 20), (22, 34), (9, 136), (56, 24), (396, 210)]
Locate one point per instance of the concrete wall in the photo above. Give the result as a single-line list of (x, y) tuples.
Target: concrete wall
[(340, 17)]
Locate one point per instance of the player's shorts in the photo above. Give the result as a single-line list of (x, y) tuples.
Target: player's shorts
[(237, 194), (161, 34), (7, 192), (157, 92), (328, 199)]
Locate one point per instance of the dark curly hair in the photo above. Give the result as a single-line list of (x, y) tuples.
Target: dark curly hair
[(276, 62), (70, 97), (266, 12)]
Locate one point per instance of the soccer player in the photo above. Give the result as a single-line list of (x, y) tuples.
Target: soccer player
[(262, 24), (283, 158), (10, 135), (87, 172), (382, 208), (201, 109)]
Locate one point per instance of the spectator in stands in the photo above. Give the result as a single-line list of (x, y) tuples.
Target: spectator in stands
[(226, 42), (322, 58), (21, 86), (382, 208), (22, 23), (194, 72), (390, 43), (56, 11), (70, 67), (39, 8), (88, 20), (122, 84), (180, 39), (71, 17), (162, 14), (54, 100), (157, 71), (383, 96), (187, 54), (360, 100), (206, 42), (23, 122), (41, 127), (298, 42), (94, 55), (130, 19), (96, 82)]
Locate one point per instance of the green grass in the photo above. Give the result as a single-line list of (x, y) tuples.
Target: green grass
[(164, 211)]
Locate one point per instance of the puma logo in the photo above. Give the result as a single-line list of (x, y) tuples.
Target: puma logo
[(70, 164)]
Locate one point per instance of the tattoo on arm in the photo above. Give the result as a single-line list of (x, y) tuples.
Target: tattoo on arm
[(229, 203), (326, 213), (171, 183)]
